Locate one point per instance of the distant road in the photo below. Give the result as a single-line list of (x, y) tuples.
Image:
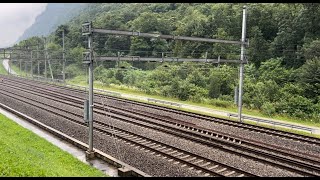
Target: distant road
[(5, 63)]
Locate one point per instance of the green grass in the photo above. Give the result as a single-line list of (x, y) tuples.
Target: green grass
[(2, 70), (81, 80), (17, 70), (23, 153)]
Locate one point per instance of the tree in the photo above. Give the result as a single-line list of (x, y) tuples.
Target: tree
[(310, 77), (311, 50), (272, 70), (258, 50)]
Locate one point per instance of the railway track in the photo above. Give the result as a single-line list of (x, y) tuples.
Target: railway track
[(253, 128), (198, 134), (188, 160)]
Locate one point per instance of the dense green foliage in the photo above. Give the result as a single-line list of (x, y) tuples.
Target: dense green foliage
[(24, 154), (282, 77)]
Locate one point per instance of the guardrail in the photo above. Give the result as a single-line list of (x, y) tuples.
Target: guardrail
[(164, 102), (275, 123), (107, 92)]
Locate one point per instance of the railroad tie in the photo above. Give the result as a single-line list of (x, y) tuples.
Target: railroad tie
[(185, 156), (213, 167), (155, 146), (221, 170), (172, 152), (166, 150), (205, 164), (141, 141), (191, 159), (151, 144), (229, 173), (198, 161), (177, 154), (137, 139), (161, 148)]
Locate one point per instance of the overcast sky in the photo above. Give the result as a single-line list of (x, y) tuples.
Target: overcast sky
[(15, 18)]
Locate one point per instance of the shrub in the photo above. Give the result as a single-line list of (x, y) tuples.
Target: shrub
[(268, 109), (197, 98)]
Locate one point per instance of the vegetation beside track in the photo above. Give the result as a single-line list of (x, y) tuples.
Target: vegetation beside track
[(2, 70), (23, 153), (80, 80)]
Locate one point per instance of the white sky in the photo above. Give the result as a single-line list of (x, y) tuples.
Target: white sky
[(15, 18)]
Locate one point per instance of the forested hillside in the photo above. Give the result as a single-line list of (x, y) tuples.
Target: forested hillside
[(54, 15), (282, 76)]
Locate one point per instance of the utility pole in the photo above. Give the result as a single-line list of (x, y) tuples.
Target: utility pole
[(4, 57), (38, 60), (45, 58), (49, 63), (31, 65), (25, 68), (50, 67), (20, 64), (242, 58), (63, 57), (9, 63), (87, 30)]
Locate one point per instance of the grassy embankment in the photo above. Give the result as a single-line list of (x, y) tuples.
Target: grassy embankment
[(17, 70), (2, 70), (23, 153)]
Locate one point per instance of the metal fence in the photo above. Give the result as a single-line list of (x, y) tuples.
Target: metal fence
[(164, 102), (275, 123)]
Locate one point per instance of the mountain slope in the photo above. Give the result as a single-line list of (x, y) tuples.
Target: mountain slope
[(54, 15)]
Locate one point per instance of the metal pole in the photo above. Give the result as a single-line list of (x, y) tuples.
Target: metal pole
[(50, 68), (45, 68), (20, 65), (4, 57), (38, 61), (241, 70), (25, 68), (10, 64), (63, 57), (45, 58), (90, 153), (38, 69), (31, 65)]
